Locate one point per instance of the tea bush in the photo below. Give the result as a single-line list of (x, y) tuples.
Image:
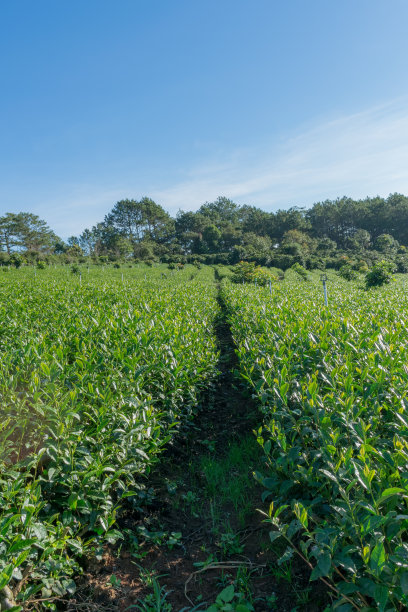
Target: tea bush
[(332, 386), (96, 379)]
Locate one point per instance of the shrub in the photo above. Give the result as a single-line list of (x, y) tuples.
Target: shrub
[(282, 261), (249, 272), (16, 260), (4, 259), (292, 248), (347, 272), (380, 274), (338, 262), (300, 270), (315, 263), (402, 264), (277, 272), (222, 258), (92, 413), (41, 265), (331, 390), (361, 266), (75, 269)]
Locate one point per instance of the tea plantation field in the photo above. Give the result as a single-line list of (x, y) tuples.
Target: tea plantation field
[(97, 375), (332, 387), (102, 369)]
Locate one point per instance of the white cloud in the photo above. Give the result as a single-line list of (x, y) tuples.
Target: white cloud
[(357, 155), (361, 154)]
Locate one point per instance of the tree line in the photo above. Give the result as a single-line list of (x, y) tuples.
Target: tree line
[(224, 232)]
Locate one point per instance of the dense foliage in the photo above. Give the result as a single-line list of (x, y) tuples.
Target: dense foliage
[(98, 374), (27, 232), (223, 232), (332, 384), (249, 272), (102, 367), (380, 274), (331, 234)]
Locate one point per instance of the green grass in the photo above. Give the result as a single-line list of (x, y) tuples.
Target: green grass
[(229, 480)]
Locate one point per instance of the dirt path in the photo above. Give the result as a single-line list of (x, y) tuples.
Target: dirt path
[(202, 531)]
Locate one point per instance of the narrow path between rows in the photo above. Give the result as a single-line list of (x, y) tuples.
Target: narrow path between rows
[(202, 531)]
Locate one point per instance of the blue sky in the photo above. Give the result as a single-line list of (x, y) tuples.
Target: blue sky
[(270, 102)]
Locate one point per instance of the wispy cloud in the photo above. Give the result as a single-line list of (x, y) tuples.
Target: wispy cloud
[(362, 154)]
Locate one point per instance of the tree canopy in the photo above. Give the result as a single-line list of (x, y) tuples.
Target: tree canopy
[(27, 232), (226, 232)]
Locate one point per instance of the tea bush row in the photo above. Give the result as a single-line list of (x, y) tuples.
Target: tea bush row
[(96, 378), (332, 385)]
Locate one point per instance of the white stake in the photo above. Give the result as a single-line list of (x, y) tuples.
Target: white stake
[(323, 278)]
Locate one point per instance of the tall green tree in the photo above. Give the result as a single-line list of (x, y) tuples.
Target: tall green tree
[(284, 220), (26, 231), (255, 220), (221, 211), (189, 228), (211, 237), (8, 232), (138, 220)]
